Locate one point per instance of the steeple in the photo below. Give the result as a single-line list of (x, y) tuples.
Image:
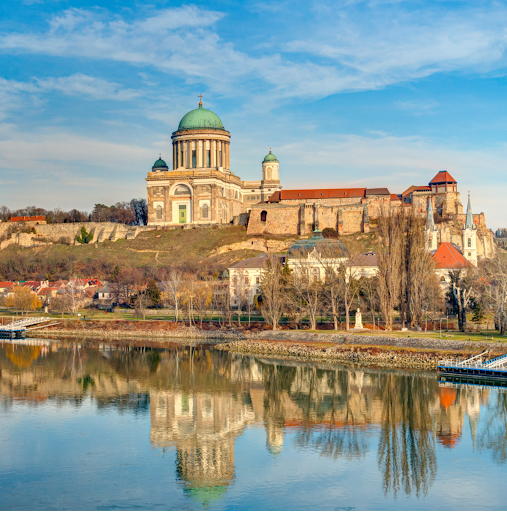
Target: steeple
[(430, 232), (430, 221), (470, 219)]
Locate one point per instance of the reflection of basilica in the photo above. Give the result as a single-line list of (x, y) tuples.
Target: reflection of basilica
[(200, 401), (203, 427)]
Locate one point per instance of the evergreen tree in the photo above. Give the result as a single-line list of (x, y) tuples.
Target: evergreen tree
[(153, 293)]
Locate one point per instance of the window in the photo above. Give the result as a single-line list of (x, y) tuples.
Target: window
[(264, 215), (220, 159), (182, 163), (158, 212), (182, 190), (204, 211), (469, 242), (176, 163), (208, 158), (257, 280), (194, 159), (246, 279)]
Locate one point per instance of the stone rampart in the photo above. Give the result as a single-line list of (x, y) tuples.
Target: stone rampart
[(66, 233)]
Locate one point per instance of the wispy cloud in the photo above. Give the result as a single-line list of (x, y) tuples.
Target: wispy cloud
[(87, 87), (344, 49)]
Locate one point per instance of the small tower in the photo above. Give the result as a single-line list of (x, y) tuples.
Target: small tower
[(470, 236), (270, 168), (430, 232)]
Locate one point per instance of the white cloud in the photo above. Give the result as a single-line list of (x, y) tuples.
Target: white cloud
[(88, 87), (344, 49)]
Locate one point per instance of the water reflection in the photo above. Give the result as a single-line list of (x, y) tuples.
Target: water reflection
[(200, 400)]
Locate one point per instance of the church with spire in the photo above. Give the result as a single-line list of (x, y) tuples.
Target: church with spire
[(200, 187)]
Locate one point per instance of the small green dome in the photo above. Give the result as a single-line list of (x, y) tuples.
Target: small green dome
[(270, 157), (160, 163), (200, 118)]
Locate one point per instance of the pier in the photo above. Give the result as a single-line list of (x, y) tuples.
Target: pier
[(475, 368)]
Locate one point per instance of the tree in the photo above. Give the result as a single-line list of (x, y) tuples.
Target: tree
[(461, 285), (173, 288), (389, 257), (153, 293), (141, 303), (23, 298), (494, 287), (478, 315), (272, 291), (85, 237)]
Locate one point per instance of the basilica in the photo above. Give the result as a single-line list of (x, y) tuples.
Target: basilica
[(201, 188)]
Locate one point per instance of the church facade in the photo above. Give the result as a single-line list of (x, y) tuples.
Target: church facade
[(200, 188)]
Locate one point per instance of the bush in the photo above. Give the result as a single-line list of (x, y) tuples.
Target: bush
[(329, 233)]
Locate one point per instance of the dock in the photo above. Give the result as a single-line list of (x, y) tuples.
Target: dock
[(16, 329), (474, 368)]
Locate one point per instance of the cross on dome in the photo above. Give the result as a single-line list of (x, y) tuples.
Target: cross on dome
[(200, 100)]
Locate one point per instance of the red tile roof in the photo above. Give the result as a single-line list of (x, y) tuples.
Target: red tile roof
[(448, 256), (415, 188), (319, 193), (6, 284), (443, 177), (395, 197), (27, 219)]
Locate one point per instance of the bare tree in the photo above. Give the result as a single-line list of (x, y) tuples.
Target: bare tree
[(462, 283), (495, 289), (173, 288), (272, 291), (389, 257)]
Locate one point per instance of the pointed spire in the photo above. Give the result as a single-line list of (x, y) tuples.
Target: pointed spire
[(430, 220), (470, 218)]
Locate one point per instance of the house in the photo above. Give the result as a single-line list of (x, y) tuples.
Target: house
[(37, 219), (6, 286), (448, 258), (245, 278)]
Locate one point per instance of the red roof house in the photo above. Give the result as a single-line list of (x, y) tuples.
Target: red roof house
[(449, 257)]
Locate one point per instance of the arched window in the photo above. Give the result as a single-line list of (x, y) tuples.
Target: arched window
[(469, 242), (268, 173), (182, 190), (264, 215), (204, 211), (158, 212)]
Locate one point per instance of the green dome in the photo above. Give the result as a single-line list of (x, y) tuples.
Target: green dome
[(270, 157), (328, 246), (160, 163), (200, 118)]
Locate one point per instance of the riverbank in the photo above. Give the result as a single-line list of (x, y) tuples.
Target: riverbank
[(125, 329), (332, 347)]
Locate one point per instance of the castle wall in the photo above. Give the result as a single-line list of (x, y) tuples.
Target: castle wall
[(54, 233)]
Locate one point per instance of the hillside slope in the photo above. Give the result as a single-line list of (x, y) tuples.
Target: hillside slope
[(188, 250)]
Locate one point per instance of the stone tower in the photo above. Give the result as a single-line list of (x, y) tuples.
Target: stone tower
[(470, 236), (430, 232)]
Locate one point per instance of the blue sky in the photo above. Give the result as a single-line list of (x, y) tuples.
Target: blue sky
[(347, 93)]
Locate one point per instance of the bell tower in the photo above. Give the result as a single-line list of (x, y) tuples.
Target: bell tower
[(470, 236), (430, 232)]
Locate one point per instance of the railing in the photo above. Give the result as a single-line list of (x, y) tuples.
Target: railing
[(25, 322), (497, 361)]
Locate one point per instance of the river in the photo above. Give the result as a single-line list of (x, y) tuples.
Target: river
[(105, 425)]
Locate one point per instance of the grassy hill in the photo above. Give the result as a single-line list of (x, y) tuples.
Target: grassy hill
[(186, 249)]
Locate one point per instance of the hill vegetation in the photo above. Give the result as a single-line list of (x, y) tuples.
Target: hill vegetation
[(152, 252)]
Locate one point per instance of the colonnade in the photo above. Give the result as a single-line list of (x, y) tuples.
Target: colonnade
[(219, 153)]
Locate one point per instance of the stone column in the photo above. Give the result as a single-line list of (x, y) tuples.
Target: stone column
[(174, 155), (185, 153), (227, 144), (213, 147), (200, 162), (220, 152)]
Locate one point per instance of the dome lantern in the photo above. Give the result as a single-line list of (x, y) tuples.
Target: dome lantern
[(270, 157), (160, 164)]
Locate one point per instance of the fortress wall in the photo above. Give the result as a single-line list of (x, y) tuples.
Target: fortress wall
[(280, 219), (55, 232)]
